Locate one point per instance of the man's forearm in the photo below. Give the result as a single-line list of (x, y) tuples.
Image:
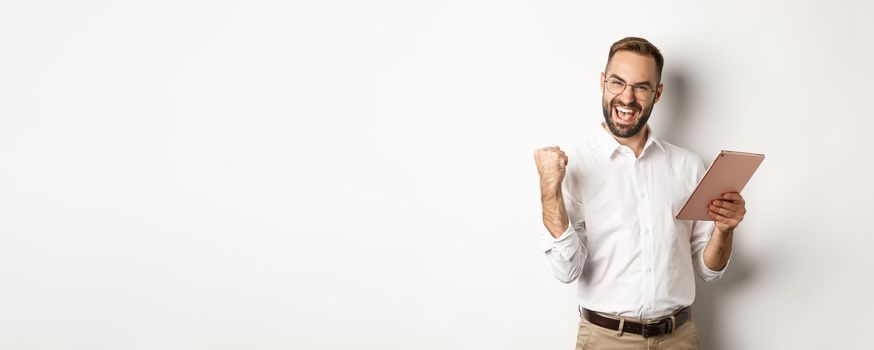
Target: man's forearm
[(554, 213), (718, 250)]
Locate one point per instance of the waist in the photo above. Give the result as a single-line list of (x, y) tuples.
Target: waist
[(645, 327)]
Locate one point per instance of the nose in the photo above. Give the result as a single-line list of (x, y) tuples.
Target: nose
[(627, 95)]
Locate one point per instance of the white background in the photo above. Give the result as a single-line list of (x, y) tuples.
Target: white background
[(360, 174)]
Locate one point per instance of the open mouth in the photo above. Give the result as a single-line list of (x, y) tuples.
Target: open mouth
[(624, 114)]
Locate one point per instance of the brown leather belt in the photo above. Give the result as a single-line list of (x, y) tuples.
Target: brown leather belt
[(647, 329)]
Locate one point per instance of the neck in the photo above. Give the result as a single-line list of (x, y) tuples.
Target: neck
[(635, 142)]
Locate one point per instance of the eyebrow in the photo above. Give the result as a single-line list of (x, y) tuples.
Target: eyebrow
[(614, 76)]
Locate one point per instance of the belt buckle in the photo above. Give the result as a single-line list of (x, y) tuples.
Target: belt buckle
[(643, 331), (657, 328)]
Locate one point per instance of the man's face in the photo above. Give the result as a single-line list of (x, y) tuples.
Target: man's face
[(625, 113)]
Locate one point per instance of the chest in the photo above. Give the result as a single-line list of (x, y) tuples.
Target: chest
[(632, 193)]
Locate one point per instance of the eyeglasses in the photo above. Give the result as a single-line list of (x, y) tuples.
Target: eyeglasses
[(617, 87)]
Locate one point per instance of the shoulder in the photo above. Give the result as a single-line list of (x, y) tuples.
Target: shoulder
[(682, 158), (582, 161), (582, 156), (584, 150)]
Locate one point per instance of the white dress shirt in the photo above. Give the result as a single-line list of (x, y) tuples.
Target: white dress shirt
[(623, 248)]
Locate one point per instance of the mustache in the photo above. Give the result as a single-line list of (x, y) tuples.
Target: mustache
[(633, 105)]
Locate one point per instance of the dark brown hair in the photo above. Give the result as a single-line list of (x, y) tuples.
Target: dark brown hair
[(640, 46)]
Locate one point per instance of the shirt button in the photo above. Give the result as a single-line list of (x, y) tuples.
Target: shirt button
[(646, 231), (642, 195), (649, 269)]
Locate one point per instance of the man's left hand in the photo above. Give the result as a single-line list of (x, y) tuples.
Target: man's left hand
[(728, 211)]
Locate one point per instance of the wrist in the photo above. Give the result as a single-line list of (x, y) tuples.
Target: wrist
[(550, 191), (724, 234), (550, 182)]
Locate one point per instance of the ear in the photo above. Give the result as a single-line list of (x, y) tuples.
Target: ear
[(658, 93), (603, 78)]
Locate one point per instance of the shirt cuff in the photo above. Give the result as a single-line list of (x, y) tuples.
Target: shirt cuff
[(564, 244), (706, 273)]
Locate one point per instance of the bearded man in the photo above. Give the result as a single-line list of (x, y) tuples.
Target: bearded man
[(608, 208)]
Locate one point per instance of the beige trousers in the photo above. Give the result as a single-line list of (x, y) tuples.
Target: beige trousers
[(599, 338)]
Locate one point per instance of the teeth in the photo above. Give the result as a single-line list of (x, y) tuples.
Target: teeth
[(623, 110)]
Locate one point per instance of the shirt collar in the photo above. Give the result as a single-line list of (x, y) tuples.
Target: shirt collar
[(609, 146)]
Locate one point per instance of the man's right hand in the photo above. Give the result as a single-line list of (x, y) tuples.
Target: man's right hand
[(551, 164)]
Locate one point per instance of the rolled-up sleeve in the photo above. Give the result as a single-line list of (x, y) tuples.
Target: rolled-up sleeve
[(701, 232), (564, 255)]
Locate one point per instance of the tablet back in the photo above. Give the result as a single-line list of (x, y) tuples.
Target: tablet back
[(729, 172)]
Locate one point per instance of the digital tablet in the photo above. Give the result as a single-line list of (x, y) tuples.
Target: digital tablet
[(729, 172)]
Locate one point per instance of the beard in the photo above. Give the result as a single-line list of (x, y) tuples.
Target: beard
[(625, 131)]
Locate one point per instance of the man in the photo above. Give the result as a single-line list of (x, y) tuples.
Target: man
[(609, 207)]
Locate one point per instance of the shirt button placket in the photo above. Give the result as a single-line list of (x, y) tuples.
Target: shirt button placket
[(648, 258)]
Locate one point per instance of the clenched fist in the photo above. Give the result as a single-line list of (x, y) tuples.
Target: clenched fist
[(551, 164)]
